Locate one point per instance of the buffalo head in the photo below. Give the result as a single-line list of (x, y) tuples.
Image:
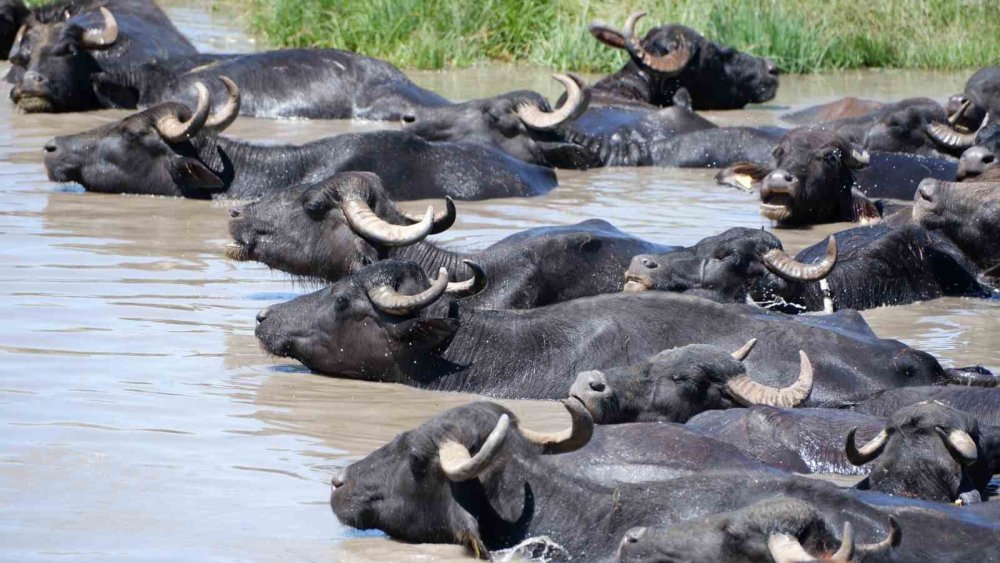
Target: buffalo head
[(927, 450), (968, 213), (969, 110), (366, 325), (59, 59), (156, 151), (980, 162), (733, 266), (812, 180), (330, 228), (905, 127), (519, 123), (781, 529), (444, 481), (677, 384), (670, 57)]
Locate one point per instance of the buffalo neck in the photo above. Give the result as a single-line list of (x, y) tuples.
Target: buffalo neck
[(251, 170)]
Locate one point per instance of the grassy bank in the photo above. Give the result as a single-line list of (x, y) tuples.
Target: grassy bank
[(801, 35)]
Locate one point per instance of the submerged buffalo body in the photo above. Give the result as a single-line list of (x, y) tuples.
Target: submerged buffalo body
[(170, 150), (56, 57), (672, 57), (426, 485), (305, 230), (376, 315), (307, 83)]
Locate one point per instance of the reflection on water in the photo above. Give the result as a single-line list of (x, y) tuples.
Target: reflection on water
[(139, 417)]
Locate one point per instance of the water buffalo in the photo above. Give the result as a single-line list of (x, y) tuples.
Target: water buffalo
[(309, 230), (306, 83), (13, 14), (64, 45), (861, 268), (901, 127), (676, 384), (378, 315), (780, 529), (838, 109), (970, 111), (520, 124), (968, 213), (983, 404), (931, 451), (819, 177), (671, 57), (979, 163), (473, 476), (169, 149)]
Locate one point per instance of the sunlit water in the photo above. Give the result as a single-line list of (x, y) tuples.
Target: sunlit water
[(140, 419)]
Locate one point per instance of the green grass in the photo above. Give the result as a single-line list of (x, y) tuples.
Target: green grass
[(802, 35)]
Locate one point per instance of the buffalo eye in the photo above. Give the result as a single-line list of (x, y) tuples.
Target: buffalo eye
[(341, 303)]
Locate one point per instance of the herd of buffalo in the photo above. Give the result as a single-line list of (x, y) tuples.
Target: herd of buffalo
[(702, 382)]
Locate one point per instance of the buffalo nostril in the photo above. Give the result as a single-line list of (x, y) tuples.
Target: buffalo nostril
[(409, 118), (988, 159), (927, 190), (788, 177), (234, 212), (338, 479), (650, 264), (633, 535), (597, 386), (262, 316), (50, 146)]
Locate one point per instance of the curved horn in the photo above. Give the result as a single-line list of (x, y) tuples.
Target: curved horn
[(671, 63), (391, 301), (230, 111), (173, 130), (892, 539), (17, 38), (442, 221), (533, 116), (951, 137), (960, 444), (570, 439), (846, 551), (867, 452), (786, 548), (107, 35), (459, 465), (749, 392), (743, 352), (779, 262), (373, 228), (471, 286), (955, 117)]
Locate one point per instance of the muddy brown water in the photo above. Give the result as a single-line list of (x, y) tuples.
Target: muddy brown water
[(141, 421)]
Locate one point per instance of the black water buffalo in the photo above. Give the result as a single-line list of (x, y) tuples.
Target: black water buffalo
[(905, 455), (672, 57), (676, 384), (306, 83), (13, 14), (377, 314), (472, 476), (866, 267), (901, 127), (931, 451), (55, 60), (170, 150), (980, 162), (983, 404), (970, 111), (312, 230), (968, 213), (818, 176), (519, 123)]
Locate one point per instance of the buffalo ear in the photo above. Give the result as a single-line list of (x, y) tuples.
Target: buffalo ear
[(865, 211), (192, 174), (742, 175), (318, 202), (682, 98), (606, 35), (424, 333), (112, 94)]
